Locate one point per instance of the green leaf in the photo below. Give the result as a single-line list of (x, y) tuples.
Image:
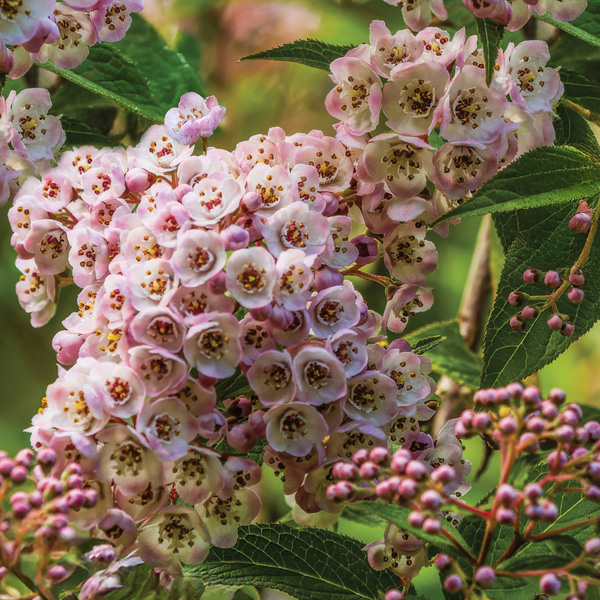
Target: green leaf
[(307, 563), (312, 53), (586, 27), (428, 343), (79, 134), (168, 72), (546, 244), (230, 592), (490, 37), (233, 386), (573, 130), (452, 358), (553, 553), (544, 176), (398, 515), (582, 88), (140, 73), (109, 73)]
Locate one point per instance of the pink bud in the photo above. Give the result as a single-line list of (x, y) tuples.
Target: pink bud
[(531, 276), (555, 322), (576, 277), (529, 313), (57, 573), (138, 180), (235, 238), (580, 223), (552, 279), (516, 323)]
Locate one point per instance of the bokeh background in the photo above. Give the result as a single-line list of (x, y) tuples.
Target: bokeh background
[(259, 95)]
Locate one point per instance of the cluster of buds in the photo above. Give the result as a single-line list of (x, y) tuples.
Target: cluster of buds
[(447, 127), (535, 304), (60, 32), (516, 421), (38, 498), (198, 273)]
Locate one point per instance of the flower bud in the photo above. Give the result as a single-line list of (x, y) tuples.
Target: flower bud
[(515, 298), (342, 470), (531, 276), (442, 561), (506, 494), (552, 279), (484, 577), (580, 223), (235, 238), (46, 457), (529, 313), (379, 455), (368, 470), (575, 295), (505, 516), (394, 595), (453, 583), (416, 470), (555, 322), (568, 329), (18, 474), (432, 525), (516, 323), (57, 573), (576, 277), (416, 518), (550, 584), (592, 546), (360, 456), (431, 500)]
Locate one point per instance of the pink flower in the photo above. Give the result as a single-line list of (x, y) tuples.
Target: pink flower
[(212, 345), (334, 309), (408, 255), (251, 277), (349, 347), (319, 376), (38, 134), (194, 118), (55, 191), (404, 303), (256, 337), (295, 428), (197, 475), (36, 292), (127, 461), (160, 371), (372, 398), (112, 18), (88, 255), (439, 45), (23, 20), (47, 242), (160, 327), (402, 163), (388, 51), (560, 10), (167, 427), (270, 377), (174, 534), (471, 110), (356, 99), (198, 399), (462, 167), (150, 282), (213, 198), (77, 34), (222, 517), (342, 252), (536, 87), (272, 185), (121, 390), (157, 152), (198, 256), (411, 95), (193, 302), (417, 14), (294, 279), (296, 226)]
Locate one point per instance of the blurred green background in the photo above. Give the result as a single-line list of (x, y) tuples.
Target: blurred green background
[(259, 95)]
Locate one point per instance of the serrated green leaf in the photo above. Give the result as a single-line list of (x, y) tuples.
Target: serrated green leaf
[(312, 53), (398, 515), (428, 343), (543, 176), (308, 564), (79, 134), (236, 385), (586, 27), (168, 73), (109, 73), (554, 553), (490, 37), (230, 592), (452, 358), (573, 130), (140, 73), (509, 355)]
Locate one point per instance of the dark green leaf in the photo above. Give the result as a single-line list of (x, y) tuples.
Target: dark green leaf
[(399, 516), (168, 73), (490, 37), (452, 358), (427, 343), (233, 386), (573, 130), (582, 88), (109, 73), (308, 564), (79, 134), (312, 53), (553, 553), (544, 176), (547, 244)]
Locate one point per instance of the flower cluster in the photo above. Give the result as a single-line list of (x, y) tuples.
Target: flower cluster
[(61, 32), (451, 130), (37, 499), (29, 137), (214, 318), (517, 422), (417, 14)]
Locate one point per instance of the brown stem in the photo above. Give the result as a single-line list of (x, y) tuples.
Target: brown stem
[(584, 112), (470, 315)]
